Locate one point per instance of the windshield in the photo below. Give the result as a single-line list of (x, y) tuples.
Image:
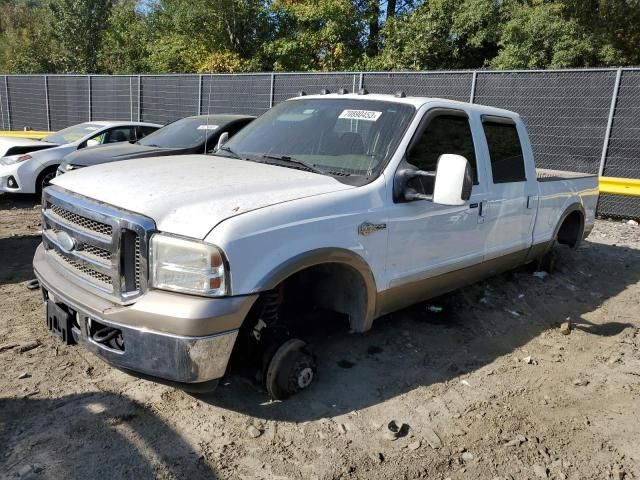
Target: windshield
[(184, 133), (336, 136), (71, 134)]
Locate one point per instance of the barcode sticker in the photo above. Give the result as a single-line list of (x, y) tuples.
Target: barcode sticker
[(368, 115)]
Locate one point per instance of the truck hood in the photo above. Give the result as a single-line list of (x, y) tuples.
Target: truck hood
[(190, 194), (116, 152)]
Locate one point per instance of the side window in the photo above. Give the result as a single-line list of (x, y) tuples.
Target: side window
[(120, 134), (505, 151), (236, 127), (96, 140), (144, 131), (444, 134)]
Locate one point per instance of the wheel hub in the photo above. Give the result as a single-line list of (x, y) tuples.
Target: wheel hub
[(305, 377)]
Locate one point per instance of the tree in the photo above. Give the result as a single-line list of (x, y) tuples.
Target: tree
[(440, 34), (25, 46), (315, 35), (538, 35), (78, 27), (126, 40), (236, 26)]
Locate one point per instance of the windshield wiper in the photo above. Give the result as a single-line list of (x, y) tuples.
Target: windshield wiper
[(288, 159)]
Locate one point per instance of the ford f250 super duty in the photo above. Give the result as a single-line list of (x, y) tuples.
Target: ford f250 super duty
[(353, 205)]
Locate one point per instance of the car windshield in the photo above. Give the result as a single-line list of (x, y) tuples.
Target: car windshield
[(184, 133), (333, 135), (71, 134)]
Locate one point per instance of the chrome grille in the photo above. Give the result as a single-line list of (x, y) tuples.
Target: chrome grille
[(104, 248), (84, 223), (102, 280), (96, 252), (138, 259)]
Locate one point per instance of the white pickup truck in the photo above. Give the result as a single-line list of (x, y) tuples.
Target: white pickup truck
[(338, 204)]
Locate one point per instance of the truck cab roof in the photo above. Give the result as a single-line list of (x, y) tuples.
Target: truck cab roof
[(417, 102)]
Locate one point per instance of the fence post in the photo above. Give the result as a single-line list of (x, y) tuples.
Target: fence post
[(89, 85), (272, 91), (360, 81), (200, 95), (2, 104), (46, 101), (130, 98), (6, 91), (474, 78), (139, 98), (612, 110)]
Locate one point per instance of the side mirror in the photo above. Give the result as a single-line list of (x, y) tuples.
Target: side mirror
[(453, 180), (92, 142), (222, 139)]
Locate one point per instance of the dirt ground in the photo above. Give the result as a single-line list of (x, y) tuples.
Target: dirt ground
[(490, 388)]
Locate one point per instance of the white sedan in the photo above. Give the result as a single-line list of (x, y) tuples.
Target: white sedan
[(31, 172)]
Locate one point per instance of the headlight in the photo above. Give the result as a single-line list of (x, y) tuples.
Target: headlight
[(14, 159), (188, 266), (67, 167)]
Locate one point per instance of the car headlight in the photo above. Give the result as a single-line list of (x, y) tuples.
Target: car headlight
[(188, 266), (68, 167), (14, 159)]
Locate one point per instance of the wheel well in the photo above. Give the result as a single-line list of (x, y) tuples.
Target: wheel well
[(335, 287), (570, 232), (41, 175), (318, 300)]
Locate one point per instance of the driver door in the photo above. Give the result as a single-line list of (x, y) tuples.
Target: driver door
[(427, 240)]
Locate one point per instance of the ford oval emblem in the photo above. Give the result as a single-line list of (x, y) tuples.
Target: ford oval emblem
[(66, 242)]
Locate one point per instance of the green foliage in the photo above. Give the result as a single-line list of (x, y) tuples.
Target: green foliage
[(77, 27), (126, 41), (161, 36), (25, 46), (315, 35), (440, 34), (538, 36)]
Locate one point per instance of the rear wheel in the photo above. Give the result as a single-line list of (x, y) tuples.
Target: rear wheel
[(44, 179), (548, 261)]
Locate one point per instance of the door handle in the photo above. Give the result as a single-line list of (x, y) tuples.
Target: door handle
[(473, 205), (482, 211)]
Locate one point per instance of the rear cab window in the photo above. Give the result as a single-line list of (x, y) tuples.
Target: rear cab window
[(505, 150)]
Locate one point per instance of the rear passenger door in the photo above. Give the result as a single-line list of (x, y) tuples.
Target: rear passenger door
[(512, 198)]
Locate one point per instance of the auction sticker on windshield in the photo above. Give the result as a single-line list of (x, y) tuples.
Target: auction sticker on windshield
[(207, 127), (368, 115)]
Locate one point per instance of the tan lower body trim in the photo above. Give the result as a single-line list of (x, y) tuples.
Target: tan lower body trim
[(414, 292)]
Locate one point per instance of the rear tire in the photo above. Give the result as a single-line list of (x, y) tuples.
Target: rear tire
[(548, 262)]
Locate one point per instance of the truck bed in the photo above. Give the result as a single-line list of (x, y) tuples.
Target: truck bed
[(557, 190)]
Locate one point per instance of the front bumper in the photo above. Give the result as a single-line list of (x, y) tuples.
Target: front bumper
[(13, 172), (176, 337)]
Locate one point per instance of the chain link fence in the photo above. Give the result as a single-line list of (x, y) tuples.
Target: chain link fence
[(581, 120)]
